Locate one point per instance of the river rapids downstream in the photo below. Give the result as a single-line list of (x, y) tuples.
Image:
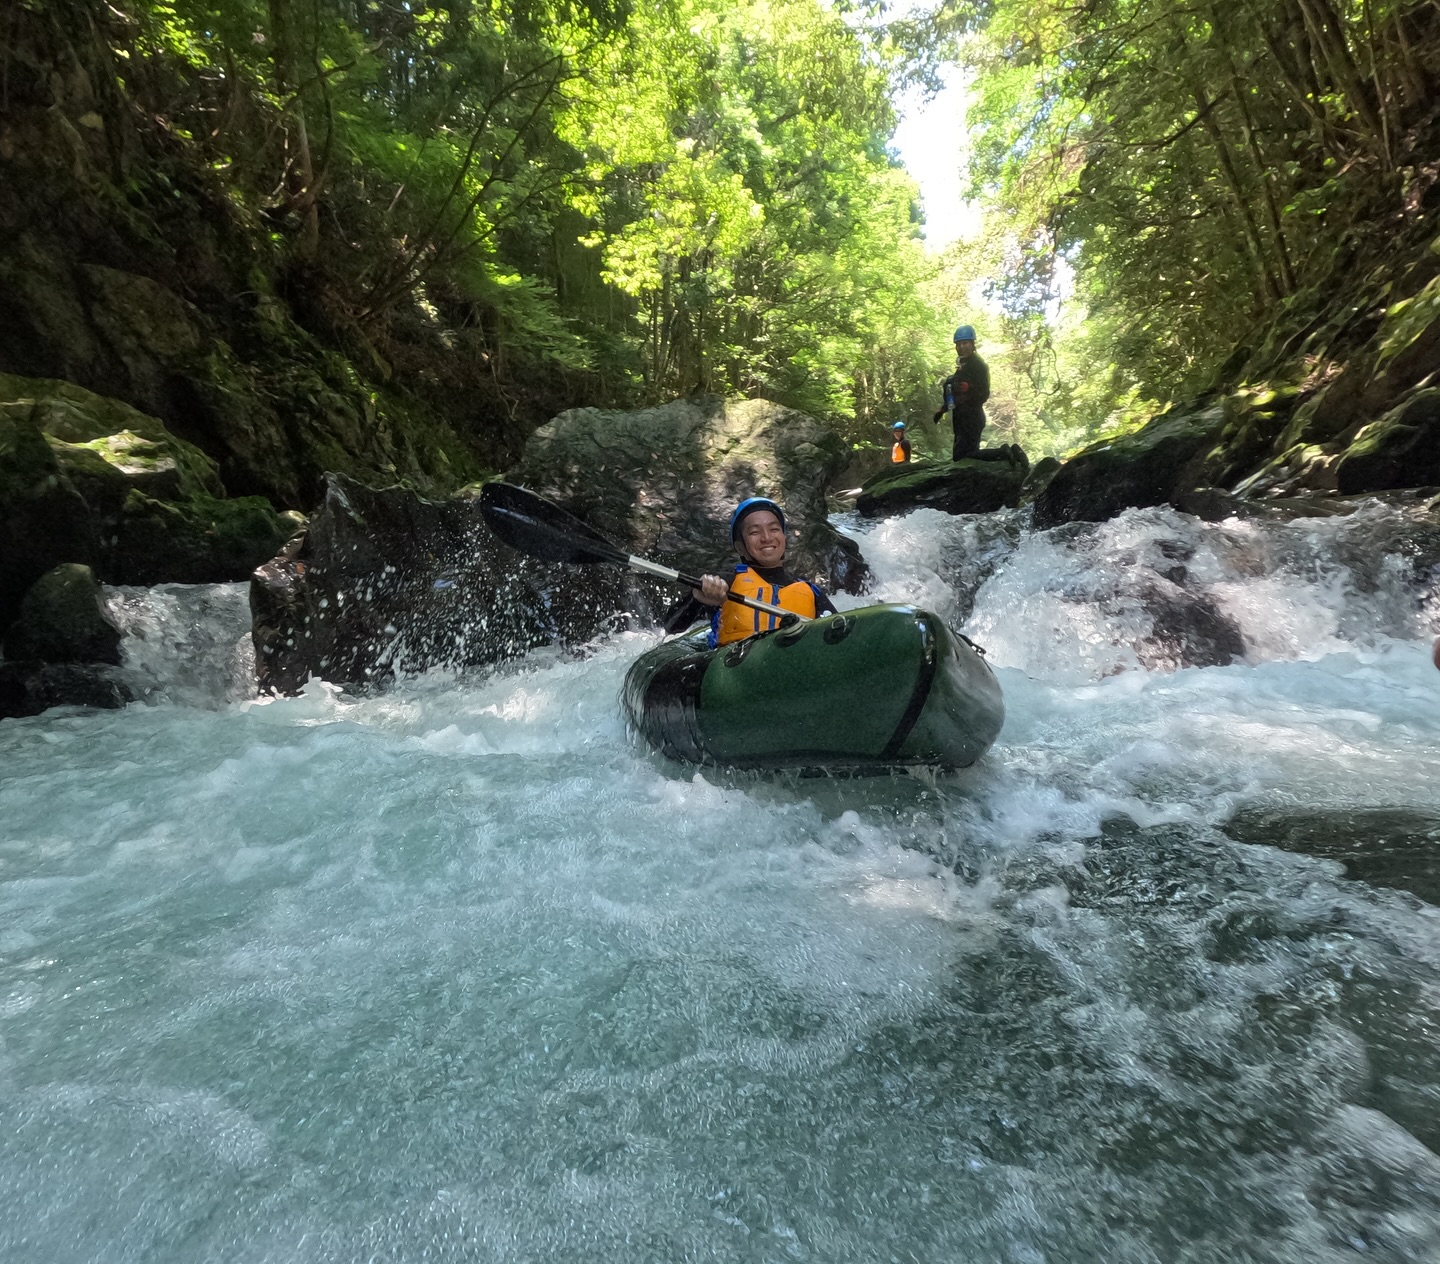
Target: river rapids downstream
[(455, 972)]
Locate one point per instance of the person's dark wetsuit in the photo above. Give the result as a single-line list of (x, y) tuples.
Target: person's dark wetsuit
[(966, 391), (690, 609)]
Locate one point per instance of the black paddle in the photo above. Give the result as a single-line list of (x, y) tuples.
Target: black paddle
[(539, 527)]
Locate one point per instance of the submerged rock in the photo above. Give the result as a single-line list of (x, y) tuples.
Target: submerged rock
[(1187, 630), (386, 582), (663, 481), (958, 487), (30, 687), (62, 620), (1386, 847), (91, 480)]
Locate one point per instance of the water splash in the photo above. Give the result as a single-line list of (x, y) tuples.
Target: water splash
[(187, 644), (1155, 589)]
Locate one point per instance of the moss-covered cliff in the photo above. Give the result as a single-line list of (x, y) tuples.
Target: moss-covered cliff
[(133, 267)]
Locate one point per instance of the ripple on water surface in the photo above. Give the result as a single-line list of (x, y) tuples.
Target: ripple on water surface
[(455, 973)]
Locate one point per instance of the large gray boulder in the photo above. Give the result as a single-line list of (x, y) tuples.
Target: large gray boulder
[(1149, 466), (385, 582), (957, 487), (663, 481)]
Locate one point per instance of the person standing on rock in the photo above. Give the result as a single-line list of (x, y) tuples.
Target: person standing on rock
[(900, 448), (966, 391)]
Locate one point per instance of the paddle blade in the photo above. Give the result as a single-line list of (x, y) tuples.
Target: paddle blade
[(540, 528)]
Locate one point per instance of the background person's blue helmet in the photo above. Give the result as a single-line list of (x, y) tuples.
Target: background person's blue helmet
[(966, 333), (747, 507), (899, 425)]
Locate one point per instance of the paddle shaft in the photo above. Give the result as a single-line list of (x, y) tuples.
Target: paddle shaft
[(677, 577)]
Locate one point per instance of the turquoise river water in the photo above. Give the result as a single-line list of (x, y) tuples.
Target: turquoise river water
[(458, 973)]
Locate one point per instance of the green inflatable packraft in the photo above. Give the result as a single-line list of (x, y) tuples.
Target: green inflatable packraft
[(870, 689)]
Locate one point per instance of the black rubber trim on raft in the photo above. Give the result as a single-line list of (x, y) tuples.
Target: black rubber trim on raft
[(670, 705), (924, 678)]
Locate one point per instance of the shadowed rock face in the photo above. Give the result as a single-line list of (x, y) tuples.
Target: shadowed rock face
[(1402, 449), (61, 621), (958, 487), (384, 581), (663, 481)]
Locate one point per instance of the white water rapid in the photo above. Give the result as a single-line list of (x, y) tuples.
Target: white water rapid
[(456, 973)]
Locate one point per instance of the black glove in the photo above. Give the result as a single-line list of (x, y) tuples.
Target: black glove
[(940, 416)]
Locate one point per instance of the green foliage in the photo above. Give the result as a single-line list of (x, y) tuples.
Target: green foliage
[(671, 196), (1180, 173)]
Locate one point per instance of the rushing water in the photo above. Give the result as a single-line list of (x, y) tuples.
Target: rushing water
[(456, 973)]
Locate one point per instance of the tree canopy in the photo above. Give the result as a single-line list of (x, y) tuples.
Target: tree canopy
[(664, 197), (1191, 172)]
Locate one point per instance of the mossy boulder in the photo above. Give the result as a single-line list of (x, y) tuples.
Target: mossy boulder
[(62, 620), (957, 487), (1149, 466), (196, 541), (1402, 449), (90, 480), (663, 481)]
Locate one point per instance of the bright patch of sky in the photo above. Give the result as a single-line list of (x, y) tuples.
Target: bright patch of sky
[(930, 141)]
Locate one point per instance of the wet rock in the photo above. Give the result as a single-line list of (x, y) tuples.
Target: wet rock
[(958, 487), (1188, 630), (1386, 847), (28, 688), (62, 620), (663, 481), (1038, 479), (91, 480), (1142, 589), (385, 582), (1147, 467), (1215, 504)]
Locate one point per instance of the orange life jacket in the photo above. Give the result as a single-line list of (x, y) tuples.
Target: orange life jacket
[(898, 455), (734, 622)]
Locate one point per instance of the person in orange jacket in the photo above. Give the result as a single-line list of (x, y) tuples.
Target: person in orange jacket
[(900, 448), (757, 534)]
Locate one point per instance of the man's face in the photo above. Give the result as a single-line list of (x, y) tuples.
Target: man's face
[(964, 350), (762, 538)]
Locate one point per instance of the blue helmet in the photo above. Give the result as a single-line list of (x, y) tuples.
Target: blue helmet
[(899, 425), (966, 333), (746, 507)]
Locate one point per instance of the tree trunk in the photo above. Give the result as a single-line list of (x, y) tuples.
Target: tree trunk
[(299, 164)]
